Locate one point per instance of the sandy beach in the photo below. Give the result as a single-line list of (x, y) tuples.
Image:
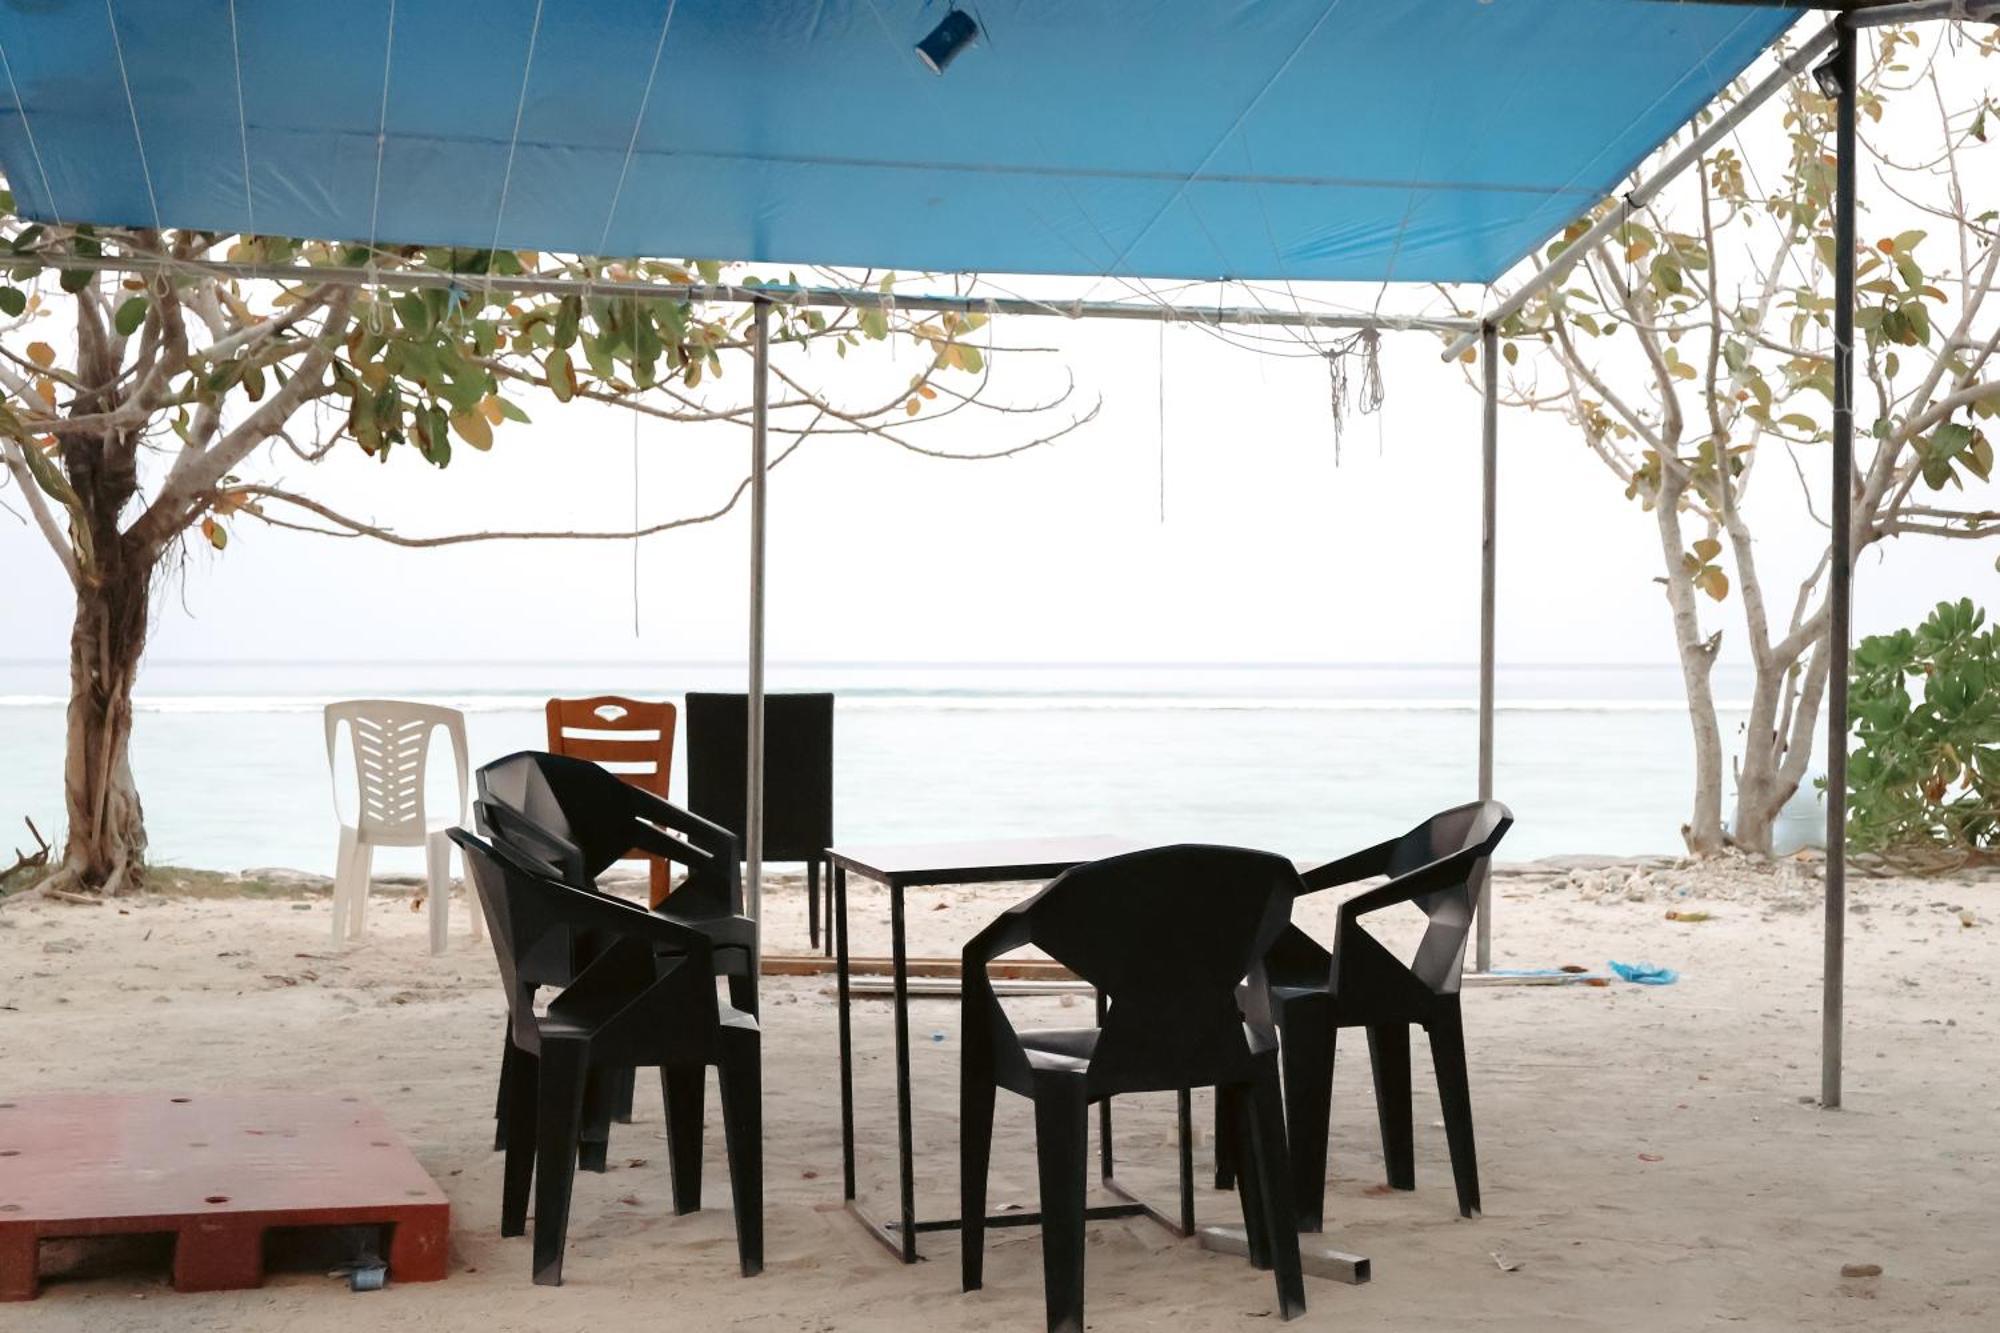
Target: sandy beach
[(1651, 1157)]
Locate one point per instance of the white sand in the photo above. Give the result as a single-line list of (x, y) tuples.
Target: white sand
[(1756, 1199)]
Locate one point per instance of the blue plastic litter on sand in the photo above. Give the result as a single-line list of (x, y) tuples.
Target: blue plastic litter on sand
[(1645, 974)]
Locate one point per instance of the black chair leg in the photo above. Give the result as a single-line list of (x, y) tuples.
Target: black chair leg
[(812, 901), (1249, 1181), (518, 1123), (559, 1122), (1389, 1053), (1306, 1028), (508, 1060), (827, 939), (624, 1084), (741, 1077), (1225, 1142), (743, 992), (593, 1149), (683, 1090), (975, 1156), (1447, 1033), (1062, 1132), (1281, 1232)]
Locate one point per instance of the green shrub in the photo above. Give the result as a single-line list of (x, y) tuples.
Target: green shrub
[(1924, 773)]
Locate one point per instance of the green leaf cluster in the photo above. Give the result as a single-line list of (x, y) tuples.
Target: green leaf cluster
[(1924, 708)]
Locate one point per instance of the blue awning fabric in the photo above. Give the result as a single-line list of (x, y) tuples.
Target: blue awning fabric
[(1419, 140)]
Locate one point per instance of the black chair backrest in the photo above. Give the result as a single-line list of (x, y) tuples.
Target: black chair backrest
[(1459, 844), (569, 798), (1168, 935), (582, 818), (798, 768), (535, 919)]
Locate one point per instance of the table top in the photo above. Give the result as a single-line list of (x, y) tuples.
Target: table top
[(904, 865)]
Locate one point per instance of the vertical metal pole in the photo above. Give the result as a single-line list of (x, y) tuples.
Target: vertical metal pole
[(1841, 573), (1489, 514), (753, 762)]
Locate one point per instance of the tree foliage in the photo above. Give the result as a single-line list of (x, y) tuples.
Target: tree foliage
[(1692, 349), (1924, 779), (186, 396)]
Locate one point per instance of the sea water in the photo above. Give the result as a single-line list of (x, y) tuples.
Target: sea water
[(1311, 761)]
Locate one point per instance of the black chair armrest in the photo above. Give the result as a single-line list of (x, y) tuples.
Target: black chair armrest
[(725, 932), (647, 837), (711, 838), (1412, 884), (589, 910), (1364, 864)]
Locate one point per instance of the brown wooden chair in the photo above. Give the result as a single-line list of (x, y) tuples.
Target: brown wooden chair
[(631, 738)]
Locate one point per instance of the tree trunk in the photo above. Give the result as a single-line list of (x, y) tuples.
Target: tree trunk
[(1761, 789), (1703, 831), (1761, 797), (105, 848)]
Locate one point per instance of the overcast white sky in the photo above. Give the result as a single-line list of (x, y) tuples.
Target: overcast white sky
[(1269, 551)]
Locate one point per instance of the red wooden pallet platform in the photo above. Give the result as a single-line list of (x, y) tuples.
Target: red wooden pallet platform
[(214, 1171)]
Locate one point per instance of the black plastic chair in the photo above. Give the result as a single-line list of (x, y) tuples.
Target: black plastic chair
[(647, 997), (1440, 865), (579, 819), (1168, 936), (798, 781)]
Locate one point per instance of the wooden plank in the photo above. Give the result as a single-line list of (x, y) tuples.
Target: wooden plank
[(931, 988), (1009, 969), (216, 1172), (1315, 1256)]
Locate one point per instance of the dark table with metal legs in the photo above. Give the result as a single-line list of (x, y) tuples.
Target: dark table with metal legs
[(901, 868)]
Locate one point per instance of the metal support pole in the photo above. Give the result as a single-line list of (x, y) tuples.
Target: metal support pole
[(753, 762), (1840, 571), (1489, 514)]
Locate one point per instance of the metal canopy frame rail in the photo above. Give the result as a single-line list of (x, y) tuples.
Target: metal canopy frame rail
[(1841, 36), (825, 298)]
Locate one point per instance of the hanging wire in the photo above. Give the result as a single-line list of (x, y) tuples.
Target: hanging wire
[(1163, 422), (635, 460), (1367, 344)]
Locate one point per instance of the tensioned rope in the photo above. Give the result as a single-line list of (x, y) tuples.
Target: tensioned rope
[(28, 129), (638, 121), (138, 139), (1241, 116), (382, 131), (513, 142), (242, 119)]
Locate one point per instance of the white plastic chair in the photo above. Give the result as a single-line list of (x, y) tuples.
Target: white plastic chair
[(392, 742)]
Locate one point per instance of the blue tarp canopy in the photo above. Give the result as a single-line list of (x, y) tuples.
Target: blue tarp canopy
[(1422, 140)]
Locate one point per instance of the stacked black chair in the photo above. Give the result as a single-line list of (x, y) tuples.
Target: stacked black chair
[(646, 997), (798, 780), (1169, 937), (579, 819), (1440, 866)]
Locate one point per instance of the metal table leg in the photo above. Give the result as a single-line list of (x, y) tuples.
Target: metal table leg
[(846, 1036), (905, 1154)]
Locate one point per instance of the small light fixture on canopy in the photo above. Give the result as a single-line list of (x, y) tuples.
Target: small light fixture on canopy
[(1827, 75), (954, 32)]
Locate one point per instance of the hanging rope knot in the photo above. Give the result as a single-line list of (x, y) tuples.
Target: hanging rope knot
[(1368, 344)]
